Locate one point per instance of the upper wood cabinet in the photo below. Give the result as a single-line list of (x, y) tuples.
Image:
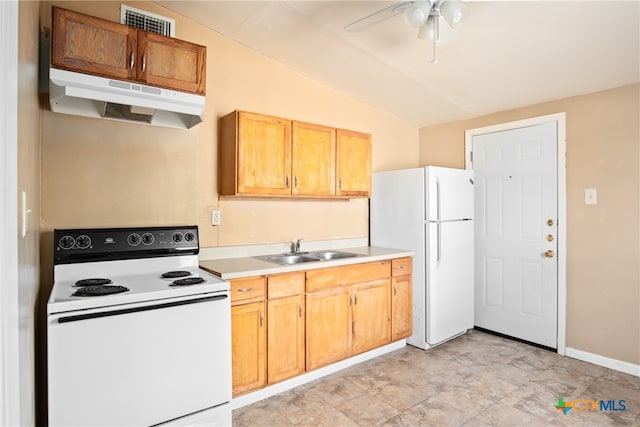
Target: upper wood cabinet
[(255, 155), (270, 156), (313, 160), (96, 46), (353, 163)]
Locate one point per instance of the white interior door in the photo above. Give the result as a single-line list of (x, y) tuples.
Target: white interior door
[(516, 211)]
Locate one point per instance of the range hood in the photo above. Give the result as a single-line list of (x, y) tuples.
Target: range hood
[(92, 96)]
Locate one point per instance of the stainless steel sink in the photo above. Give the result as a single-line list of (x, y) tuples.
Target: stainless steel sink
[(288, 259), (328, 255), (297, 258)]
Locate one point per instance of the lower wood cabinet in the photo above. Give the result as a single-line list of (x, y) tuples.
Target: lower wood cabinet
[(286, 324), (328, 326), (348, 311), (248, 334), (401, 298), (371, 315)]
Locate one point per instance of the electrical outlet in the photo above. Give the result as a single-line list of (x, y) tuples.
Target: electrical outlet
[(590, 196), (215, 217)]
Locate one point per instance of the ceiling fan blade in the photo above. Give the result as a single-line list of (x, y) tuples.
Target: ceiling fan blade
[(377, 17)]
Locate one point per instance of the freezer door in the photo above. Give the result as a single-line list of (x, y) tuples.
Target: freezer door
[(450, 193), (449, 280)]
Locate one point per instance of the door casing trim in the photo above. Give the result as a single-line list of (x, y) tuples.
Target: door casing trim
[(561, 120)]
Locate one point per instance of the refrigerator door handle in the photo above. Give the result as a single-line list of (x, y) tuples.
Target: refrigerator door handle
[(438, 211), (439, 243)]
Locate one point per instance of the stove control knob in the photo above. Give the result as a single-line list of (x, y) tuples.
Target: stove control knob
[(83, 241), (189, 236), (177, 237), (66, 242), (134, 239), (147, 238)]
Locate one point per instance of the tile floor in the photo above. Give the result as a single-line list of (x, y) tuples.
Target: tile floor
[(475, 380)]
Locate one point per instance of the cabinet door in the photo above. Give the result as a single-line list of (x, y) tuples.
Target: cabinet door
[(248, 333), (171, 63), (285, 338), (401, 311), (92, 45), (353, 163), (264, 155), (328, 327), (314, 154), (371, 315)]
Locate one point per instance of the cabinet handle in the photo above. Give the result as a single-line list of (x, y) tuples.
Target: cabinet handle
[(286, 181), (131, 60), (395, 289), (144, 63), (350, 300), (295, 181), (355, 299), (261, 318), (300, 310), (339, 184), (243, 290)]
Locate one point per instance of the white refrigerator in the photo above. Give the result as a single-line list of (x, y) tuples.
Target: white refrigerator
[(430, 211)]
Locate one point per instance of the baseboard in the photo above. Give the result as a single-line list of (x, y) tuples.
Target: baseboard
[(596, 359), (255, 396)]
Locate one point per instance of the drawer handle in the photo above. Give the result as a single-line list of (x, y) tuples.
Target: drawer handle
[(244, 290)]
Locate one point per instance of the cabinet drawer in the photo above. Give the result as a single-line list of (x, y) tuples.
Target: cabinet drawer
[(347, 275), (251, 289), (285, 285), (401, 266)]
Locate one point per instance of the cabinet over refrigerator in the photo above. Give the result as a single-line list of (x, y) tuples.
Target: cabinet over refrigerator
[(430, 211)]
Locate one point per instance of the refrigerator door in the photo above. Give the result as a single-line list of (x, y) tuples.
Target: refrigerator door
[(397, 221), (450, 193), (449, 280)]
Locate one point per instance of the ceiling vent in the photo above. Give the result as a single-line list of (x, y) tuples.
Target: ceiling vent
[(147, 21)]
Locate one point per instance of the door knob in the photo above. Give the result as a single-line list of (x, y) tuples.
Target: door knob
[(550, 222), (549, 254)]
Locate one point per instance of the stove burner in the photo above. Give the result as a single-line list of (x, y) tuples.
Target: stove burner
[(188, 281), (93, 282), (99, 290), (175, 274)]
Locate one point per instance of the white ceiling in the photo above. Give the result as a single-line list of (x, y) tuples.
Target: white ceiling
[(509, 53)]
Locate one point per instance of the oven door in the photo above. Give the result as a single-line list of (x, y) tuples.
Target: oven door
[(139, 364)]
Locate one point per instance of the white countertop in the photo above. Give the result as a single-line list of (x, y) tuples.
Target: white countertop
[(234, 268)]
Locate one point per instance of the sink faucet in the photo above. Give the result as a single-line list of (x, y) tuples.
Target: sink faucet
[(295, 246)]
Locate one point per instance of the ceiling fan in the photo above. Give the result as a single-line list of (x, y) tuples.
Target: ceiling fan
[(435, 19)]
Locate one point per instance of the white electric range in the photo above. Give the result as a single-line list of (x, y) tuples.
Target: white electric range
[(138, 334)]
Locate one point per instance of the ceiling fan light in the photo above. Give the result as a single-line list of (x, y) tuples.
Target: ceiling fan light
[(445, 34), (453, 11), (417, 13)]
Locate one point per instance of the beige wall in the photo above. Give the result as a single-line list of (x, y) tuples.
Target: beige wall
[(100, 173), (603, 253), (28, 182)]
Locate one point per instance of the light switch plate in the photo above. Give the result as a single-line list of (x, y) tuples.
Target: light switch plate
[(590, 196)]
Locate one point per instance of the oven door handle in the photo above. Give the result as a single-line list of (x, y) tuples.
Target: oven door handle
[(78, 317)]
